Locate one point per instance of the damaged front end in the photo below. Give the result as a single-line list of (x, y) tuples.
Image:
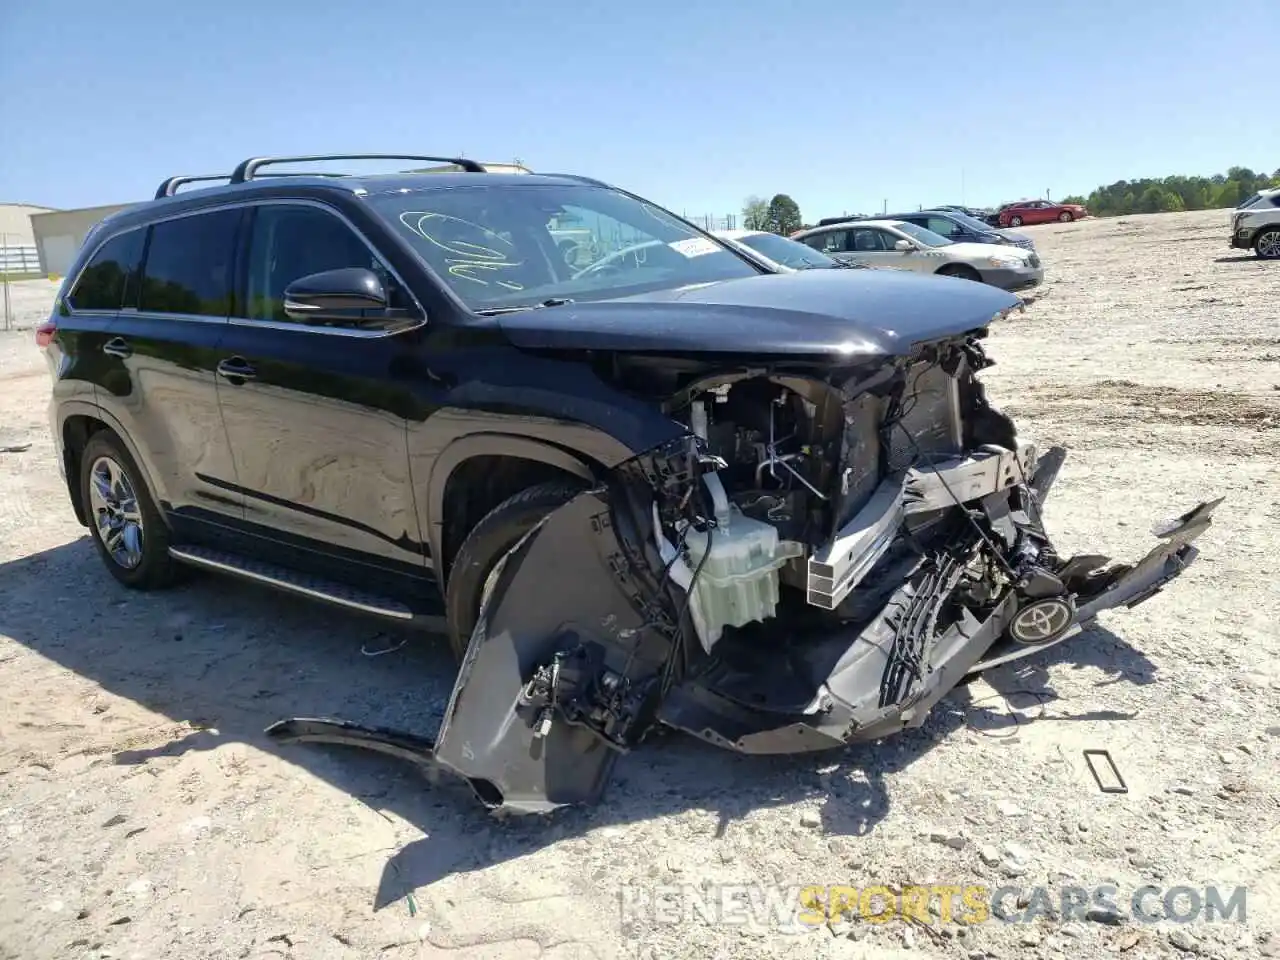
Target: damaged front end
[(819, 561)]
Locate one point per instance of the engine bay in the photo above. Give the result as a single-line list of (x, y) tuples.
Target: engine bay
[(811, 488)]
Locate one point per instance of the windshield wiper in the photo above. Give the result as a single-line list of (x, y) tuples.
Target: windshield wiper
[(549, 302)]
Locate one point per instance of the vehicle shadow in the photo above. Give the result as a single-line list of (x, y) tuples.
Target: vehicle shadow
[(228, 659), (1235, 259)]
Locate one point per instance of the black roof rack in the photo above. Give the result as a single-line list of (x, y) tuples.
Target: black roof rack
[(246, 170)]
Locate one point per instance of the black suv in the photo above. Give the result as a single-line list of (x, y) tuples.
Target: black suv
[(644, 481)]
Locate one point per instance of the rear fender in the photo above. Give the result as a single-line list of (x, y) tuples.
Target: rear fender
[(563, 670)]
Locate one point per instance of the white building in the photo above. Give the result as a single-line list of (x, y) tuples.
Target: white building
[(59, 234), (18, 255)]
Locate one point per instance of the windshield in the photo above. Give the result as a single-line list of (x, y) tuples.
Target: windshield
[(973, 223), (921, 235), (521, 245), (789, 253), (1250, 202)]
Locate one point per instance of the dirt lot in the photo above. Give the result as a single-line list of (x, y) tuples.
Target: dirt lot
[(143, 814)]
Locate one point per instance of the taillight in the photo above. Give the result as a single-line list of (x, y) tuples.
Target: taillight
[(45, 332)]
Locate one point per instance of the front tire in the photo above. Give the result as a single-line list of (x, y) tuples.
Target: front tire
[(1267, 244), (1065, 217), (1015, 221), (486, 544), (960, 270), (127, 528)]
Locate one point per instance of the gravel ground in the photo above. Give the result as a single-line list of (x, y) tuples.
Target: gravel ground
[(143, 814)]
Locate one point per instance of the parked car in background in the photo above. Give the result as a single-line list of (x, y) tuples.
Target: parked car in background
[(1256, 224), (785, 254), (899, 245), (962, 228), (967, 211), (1039, 211)]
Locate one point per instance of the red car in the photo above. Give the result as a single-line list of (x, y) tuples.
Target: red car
[(1039, 211)]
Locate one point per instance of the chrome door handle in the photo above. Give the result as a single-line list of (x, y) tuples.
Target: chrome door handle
[(235, 368), (117, 347)]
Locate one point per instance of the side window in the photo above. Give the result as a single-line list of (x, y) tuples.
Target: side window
[(103, 283), (834, 241), (870, 240), (1275, 199), (942, 226), (188, 268), (291, 242)]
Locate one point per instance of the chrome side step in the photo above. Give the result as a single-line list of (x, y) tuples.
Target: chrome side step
[(284, 579)]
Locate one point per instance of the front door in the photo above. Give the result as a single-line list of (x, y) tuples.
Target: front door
[(876, 246), (316, 414)]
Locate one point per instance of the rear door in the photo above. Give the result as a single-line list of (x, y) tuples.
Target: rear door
[(85, 315), (317, 414), (161, 350)]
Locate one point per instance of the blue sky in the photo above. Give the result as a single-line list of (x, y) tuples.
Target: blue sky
[(843, 105)]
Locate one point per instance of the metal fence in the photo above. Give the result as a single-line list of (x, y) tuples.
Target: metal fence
[(709, 221), (18, 260)]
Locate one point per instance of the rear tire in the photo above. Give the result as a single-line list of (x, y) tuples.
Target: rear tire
[(1065, 216), (486, 544), (128, 530), (1267, 243)]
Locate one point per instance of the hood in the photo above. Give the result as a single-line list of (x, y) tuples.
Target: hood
[(980, 251), (838, 315)]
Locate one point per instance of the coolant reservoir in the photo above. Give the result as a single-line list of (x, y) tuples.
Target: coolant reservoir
[(738, 582)]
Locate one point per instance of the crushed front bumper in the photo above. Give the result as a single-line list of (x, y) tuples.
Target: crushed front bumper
[(850, 706), (583, 643)]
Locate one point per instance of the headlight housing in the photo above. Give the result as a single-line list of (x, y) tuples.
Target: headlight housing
[(999, 261)]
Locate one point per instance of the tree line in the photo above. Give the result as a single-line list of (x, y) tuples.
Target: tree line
[(1171, 194), (781, 215)]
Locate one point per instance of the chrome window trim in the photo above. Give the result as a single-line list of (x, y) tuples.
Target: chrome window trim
[(247, 321)]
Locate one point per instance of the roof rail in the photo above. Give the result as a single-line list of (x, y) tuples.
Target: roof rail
[(577, 176), (246, 170), (169, 187)]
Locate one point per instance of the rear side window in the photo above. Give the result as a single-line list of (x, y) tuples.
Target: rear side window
[(833, 241), (941, 226), (103, 282), (188, 268)]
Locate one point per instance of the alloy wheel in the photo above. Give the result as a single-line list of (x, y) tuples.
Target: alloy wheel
[(1268, 245), (117, 517)]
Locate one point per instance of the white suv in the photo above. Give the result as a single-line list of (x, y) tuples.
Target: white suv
[(1256, 224)]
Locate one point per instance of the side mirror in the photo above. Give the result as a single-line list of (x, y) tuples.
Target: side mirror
[(351, 294), (906, 246)]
